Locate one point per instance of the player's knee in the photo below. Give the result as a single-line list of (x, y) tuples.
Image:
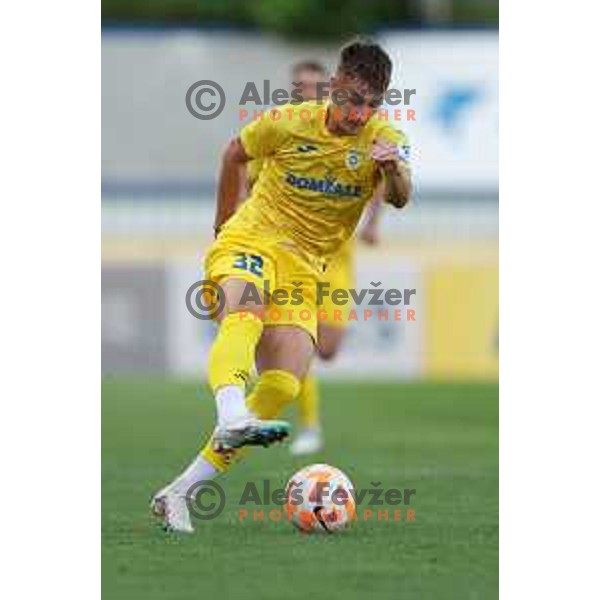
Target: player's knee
[(327, 353), (330, 342)]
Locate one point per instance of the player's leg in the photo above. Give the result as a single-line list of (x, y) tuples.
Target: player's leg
[(286, 348), (230, 360), (286, 358), (231, 355), (283, 359)]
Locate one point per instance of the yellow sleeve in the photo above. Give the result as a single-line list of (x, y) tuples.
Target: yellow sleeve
[(390, 134), (262, 137)]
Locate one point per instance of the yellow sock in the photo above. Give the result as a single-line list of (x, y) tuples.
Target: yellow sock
[(273, 391), (232, 353), (220, 460), (308, 402)]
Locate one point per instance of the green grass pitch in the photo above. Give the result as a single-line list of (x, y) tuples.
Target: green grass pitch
[(440, 439)]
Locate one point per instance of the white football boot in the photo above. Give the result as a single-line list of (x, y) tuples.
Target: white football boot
[(308, 441), (172, 510)]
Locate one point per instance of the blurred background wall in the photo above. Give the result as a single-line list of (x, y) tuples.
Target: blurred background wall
[(159, 167)]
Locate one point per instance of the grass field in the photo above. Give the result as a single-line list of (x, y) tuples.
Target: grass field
[(441, 439)]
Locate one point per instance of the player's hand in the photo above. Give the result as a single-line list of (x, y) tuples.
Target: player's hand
[(385, 153), (369, 234)]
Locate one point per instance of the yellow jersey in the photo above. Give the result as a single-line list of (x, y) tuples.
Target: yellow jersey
[(313, 185)]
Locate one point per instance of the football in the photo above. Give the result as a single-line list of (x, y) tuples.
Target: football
[(320, 499)]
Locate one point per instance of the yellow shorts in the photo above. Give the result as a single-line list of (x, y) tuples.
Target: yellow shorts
[(289, 277), (339, 274)]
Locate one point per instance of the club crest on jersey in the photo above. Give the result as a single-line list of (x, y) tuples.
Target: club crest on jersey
[(352, 159)]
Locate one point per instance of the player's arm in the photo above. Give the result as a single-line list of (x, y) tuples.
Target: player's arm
[(369, 232), (257, 140), (231, 179), (398, 186)]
